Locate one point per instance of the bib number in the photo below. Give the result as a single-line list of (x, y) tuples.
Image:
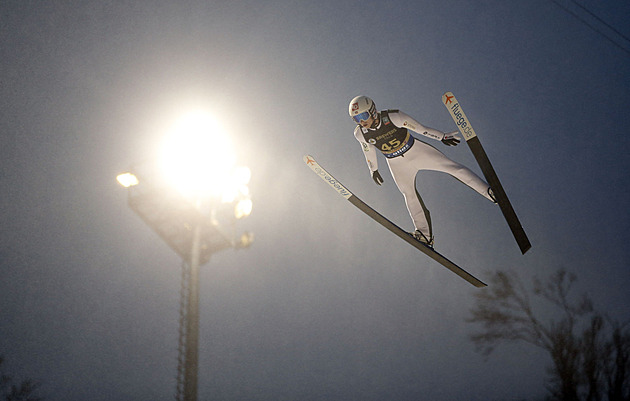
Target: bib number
[(391, 145)]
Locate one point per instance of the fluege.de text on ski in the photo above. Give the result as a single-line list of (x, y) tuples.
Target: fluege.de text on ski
[(461, 121)]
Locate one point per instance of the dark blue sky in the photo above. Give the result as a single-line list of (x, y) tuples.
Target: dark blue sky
[(326, 304)]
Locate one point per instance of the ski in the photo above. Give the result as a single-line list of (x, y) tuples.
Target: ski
[(474, 144), (344, 192)]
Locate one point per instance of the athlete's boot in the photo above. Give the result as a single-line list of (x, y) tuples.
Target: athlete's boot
[(491, 193), (423, 238)]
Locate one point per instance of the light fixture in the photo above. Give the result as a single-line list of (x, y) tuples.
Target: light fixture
[(243, 208), (127, 180)]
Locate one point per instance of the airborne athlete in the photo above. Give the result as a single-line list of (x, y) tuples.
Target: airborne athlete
[(389, 132)]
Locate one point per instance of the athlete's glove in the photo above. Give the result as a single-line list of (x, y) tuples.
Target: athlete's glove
[(451, 139), (376, 176)]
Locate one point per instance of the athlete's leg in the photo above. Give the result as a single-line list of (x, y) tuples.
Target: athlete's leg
[(404, 176), (429, 158)]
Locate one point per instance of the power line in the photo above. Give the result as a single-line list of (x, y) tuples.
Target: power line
[(601, 20), (593, 27)]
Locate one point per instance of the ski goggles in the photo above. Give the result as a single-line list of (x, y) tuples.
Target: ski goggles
[(361, 117)]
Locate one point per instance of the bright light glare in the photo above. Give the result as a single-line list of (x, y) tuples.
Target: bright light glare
[(197, 153), (242, 175), (127, 180), (243, 208), (236, 185)]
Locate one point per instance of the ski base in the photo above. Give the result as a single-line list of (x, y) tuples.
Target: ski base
[(379, 218)]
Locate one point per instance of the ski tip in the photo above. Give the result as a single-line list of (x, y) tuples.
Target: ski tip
[(447, 98)]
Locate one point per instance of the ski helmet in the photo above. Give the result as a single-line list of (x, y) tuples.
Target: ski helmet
[(362, 108)]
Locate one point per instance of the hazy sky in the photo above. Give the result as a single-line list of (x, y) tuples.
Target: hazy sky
[(326, 305)]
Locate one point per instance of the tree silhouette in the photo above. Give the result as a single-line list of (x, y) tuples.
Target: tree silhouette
[(589, 352), (25, 391)]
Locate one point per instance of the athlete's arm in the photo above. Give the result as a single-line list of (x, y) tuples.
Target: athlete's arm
[(402, 120), (369, 151)]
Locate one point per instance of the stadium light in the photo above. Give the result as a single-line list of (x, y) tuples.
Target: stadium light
[(198, 165)]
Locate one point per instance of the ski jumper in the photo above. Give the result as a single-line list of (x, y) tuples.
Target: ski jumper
[(407, 155)]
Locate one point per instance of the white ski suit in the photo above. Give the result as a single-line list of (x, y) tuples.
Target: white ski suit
[(407, 155)]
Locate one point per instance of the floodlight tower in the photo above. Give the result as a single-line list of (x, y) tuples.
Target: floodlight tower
[(192, 225)]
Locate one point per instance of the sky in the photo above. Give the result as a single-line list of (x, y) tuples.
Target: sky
[(326, 304)]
